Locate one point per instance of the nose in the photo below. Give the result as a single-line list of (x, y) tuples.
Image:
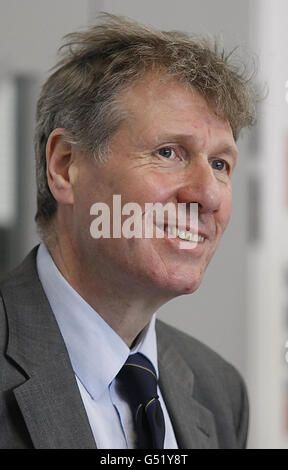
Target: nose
[(201, 186)]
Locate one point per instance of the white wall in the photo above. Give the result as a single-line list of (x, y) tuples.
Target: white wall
[(31, 31), (268, 259)]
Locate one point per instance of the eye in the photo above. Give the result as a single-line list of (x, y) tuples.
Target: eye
[(220, 165), (167, 152)]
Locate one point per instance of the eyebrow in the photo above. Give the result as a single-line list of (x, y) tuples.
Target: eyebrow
[(227, 149)]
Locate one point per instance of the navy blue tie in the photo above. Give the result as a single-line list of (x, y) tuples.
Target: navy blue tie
[(137, 384)]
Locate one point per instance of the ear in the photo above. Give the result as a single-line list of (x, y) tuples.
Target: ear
[(59, 159)]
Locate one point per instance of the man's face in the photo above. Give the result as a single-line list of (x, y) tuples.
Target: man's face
[(172, 149)]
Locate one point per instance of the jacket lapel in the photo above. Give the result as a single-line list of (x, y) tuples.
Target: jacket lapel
[(49, 399), (193, 424), (52, 410)]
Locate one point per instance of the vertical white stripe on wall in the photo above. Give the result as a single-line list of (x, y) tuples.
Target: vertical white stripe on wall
[(267, 330), (7, 152)]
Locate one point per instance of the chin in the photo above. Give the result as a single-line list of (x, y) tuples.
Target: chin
[(188, 288), (181, 284)]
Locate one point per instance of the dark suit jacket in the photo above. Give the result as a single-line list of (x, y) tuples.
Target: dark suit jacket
[(40, 404)]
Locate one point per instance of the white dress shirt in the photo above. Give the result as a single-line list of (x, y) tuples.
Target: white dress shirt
[(97, 354)]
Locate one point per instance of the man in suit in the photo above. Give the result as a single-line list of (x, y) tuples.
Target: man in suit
[(154, 117)]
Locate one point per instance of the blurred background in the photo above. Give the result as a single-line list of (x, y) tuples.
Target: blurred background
[(241, 309)]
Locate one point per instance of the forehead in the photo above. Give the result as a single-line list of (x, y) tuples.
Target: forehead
[(163, 105)]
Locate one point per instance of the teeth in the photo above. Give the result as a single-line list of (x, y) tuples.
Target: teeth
[(184, 235)]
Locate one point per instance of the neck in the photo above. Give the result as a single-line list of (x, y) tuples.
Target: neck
[(122, 302)]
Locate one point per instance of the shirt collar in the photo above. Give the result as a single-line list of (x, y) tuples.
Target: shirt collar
[(96, 351)]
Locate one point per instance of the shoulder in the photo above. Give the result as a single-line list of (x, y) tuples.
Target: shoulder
[(23, 273), (17, 288), (3, 328), (217, 384), (196, 354)]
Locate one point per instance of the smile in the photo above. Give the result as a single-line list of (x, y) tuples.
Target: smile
[(183, 234)]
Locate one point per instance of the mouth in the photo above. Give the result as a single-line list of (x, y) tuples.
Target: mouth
[(182, 234)]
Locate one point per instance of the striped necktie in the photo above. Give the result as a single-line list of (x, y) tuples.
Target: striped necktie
[(137, 384)]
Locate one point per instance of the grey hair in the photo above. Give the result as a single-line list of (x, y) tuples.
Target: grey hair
[(83, 93)]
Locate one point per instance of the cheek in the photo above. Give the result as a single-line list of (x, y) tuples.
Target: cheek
[(84, 199), (154, 187), (225, 210)]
